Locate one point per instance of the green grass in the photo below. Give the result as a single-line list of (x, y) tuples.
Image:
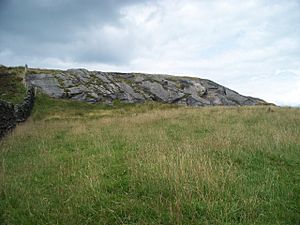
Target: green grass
[(60, 109), (77, 163), (43, 71), (11, 86)]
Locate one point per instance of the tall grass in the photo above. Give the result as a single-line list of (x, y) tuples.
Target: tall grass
[(152, 164)]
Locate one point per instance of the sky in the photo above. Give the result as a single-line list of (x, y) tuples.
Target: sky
[(252, 47)]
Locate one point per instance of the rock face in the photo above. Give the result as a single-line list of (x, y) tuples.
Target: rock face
[(106, 87)]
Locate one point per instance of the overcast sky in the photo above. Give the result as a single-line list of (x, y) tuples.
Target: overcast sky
[(250, 46)]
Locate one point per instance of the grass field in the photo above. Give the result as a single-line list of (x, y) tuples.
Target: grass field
[(75, 163)]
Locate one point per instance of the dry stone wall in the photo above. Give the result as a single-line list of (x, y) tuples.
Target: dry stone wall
[(11, 114), (23, 110), (8, 117)]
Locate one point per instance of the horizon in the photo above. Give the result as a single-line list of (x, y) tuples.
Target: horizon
[(252, 48)]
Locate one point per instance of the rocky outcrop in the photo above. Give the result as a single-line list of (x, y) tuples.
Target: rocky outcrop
[(11, 114), (106, 87)]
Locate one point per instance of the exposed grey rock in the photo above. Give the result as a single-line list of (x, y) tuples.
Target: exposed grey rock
[(96, 86), (113, 87), (82, 74), (103, 77), (160, 93), (68, 83), (77, 90), (235, 97), (139, 78), (133, 95), (80, 97), (94, 95), (47, 83), (195, 100), (195, 90), (65, 80)]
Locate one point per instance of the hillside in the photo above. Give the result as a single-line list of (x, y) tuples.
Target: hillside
[(73, 162), (79, 163), (109, 87)]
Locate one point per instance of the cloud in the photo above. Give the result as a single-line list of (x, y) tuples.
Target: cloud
[(243, 45), (63, 29)]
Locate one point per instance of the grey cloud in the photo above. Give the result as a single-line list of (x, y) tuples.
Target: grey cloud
[(227, 41), (41, 15), (48, 28)]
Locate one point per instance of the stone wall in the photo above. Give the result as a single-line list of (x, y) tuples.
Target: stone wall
[(11, 114), (7, 117), (23, 110)]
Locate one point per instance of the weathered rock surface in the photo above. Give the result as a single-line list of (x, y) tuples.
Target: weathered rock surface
[(96, 86), (48, 83)]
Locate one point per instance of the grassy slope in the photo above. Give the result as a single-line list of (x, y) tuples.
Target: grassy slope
[(76, 163), (11, 87)]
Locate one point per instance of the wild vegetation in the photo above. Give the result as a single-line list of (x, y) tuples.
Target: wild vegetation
[(77, 163), (11, 87)]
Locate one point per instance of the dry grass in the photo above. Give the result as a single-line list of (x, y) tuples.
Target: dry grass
[(159, 166)]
